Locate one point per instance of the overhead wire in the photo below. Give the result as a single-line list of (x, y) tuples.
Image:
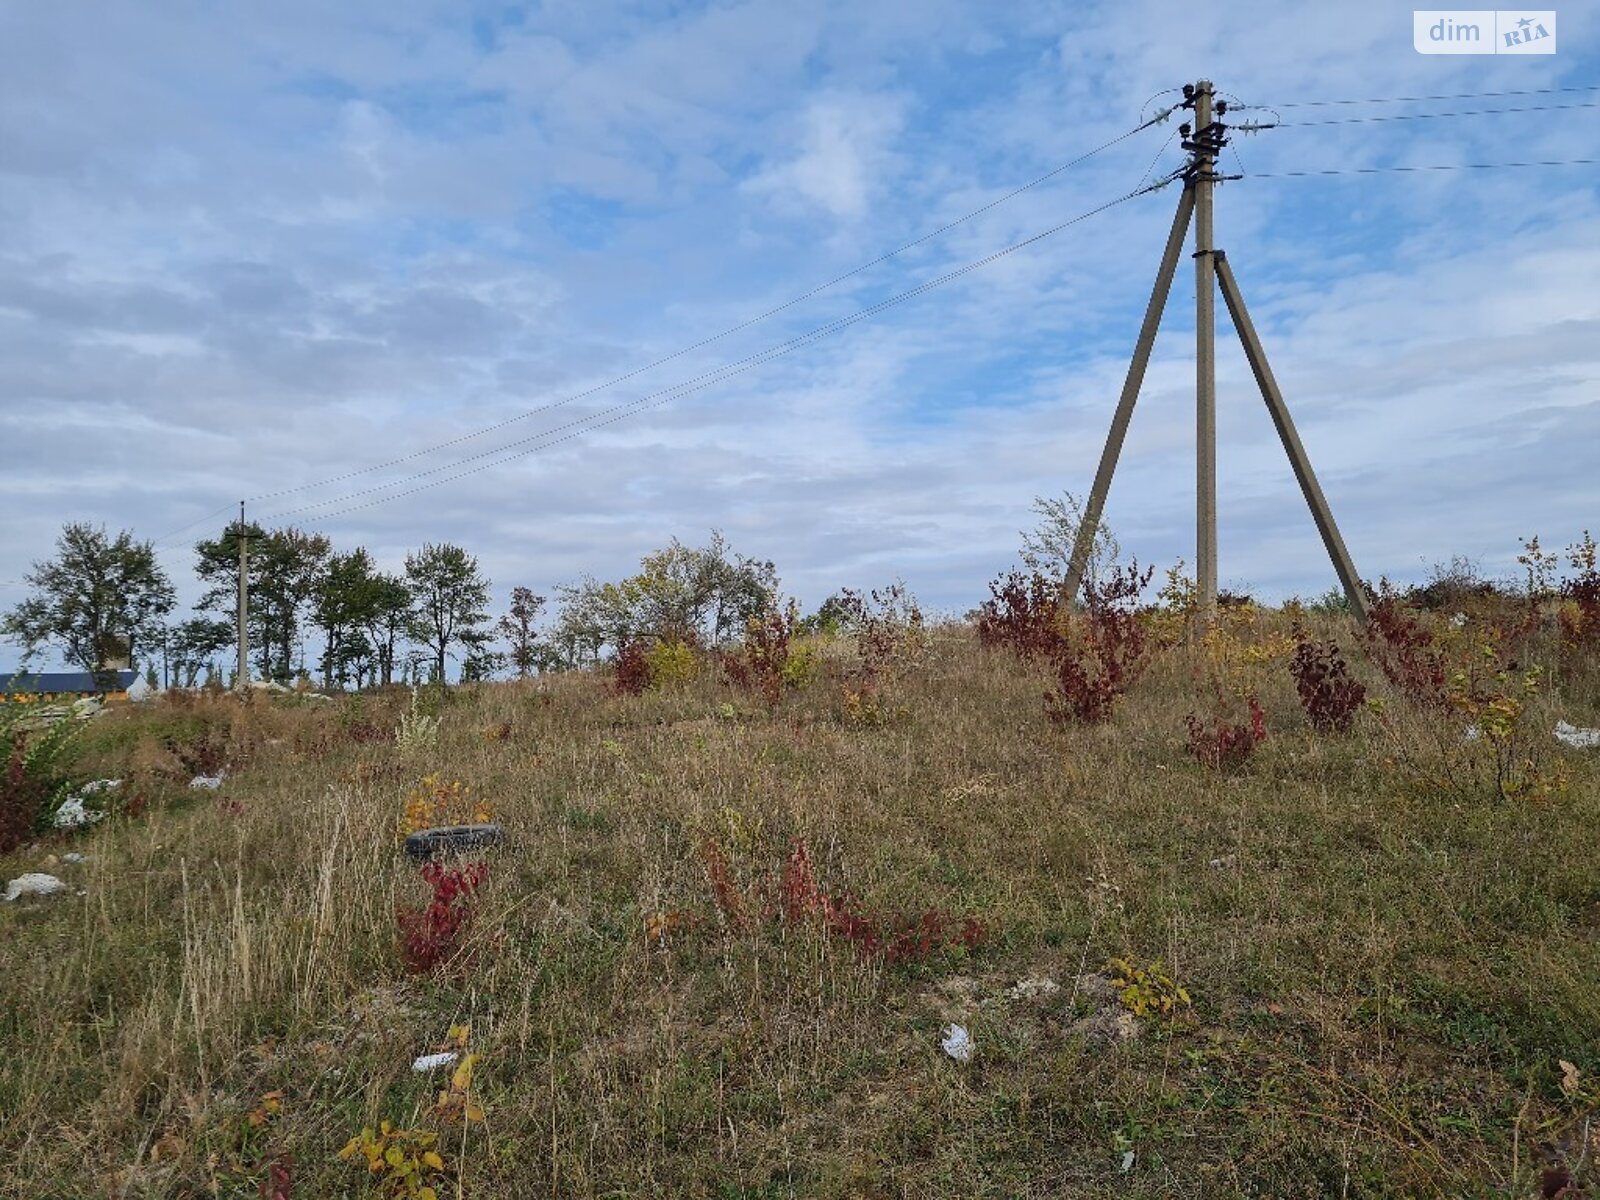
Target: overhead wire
[(1429, 116), (728, 332), (1547, 162), (620, 412), (1421, 99)]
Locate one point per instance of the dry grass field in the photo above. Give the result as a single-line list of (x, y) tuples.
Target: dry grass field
[(718, 951)]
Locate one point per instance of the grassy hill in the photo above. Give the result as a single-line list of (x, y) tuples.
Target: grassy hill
[(720, 948)]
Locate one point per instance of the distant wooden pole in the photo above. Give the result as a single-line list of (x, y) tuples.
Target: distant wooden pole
[(1090, 522), (1205, 361), (1320, 512), (242, 680)]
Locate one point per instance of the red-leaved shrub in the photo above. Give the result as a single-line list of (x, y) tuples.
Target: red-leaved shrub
[(1103, 649), (899, 940), (1022, 615), (432, 935), (631, 674), (1322, 678), (723, 888), (1404, 648), (1227, 745), (759, 664)]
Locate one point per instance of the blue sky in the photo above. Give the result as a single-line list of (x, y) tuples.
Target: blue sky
[(245, 249)]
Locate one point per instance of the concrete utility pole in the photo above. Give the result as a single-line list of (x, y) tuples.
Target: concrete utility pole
[(1315, 500), (1205, 357), (242, 680), (1130, 393), (1204, 141)]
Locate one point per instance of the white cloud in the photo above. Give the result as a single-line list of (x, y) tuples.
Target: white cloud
[(845, 156)]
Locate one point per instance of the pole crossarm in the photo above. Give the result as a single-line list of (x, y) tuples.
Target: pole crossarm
[(1292, 446)]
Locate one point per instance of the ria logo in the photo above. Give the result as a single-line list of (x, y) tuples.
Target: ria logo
[(1483, 31)]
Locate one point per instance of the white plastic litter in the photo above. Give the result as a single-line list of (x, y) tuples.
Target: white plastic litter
[(1583, 739), (1471, 734), (206, 782), (429, 1062), (33, 884), (73, 815), (958, 1043), (1127, 1161)]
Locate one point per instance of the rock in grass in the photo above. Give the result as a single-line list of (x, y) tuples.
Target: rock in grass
[(1582, 739), (429, 1062), (34, 884), (451, 839)]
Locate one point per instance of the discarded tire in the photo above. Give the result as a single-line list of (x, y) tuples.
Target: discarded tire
[(451, 839)]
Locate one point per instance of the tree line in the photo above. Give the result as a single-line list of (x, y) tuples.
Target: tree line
[(102, 599)]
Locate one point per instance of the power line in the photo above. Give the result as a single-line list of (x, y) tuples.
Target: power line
[(1471, 112), (192, 524), (1421, 99), (1548, 162), (622, 411), (731, 330)]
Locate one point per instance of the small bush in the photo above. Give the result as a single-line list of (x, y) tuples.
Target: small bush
[(431, 936), (1226, 746), (1404, 648), (762, 663), (889, 632), (631, 672), (1146, 990), (1322, 679), (796, 898), (1103, 651), (800, 671), (1580, 597), (34, 750), (671, 662), (434, 802), (1451, 586), (1024, 615), (400, 1162)]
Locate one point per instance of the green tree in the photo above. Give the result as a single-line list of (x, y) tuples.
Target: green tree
[(193, 645), (99, 599), (387, 622), (681, 593), (449, 603), (285, 566), (343, 603), (517, 627)]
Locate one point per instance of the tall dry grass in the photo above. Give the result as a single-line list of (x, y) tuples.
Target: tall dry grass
[(1385, 975)]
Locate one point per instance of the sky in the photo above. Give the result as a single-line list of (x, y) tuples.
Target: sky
[(301, 253)]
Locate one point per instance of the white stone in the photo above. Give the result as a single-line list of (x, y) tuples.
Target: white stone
[(73, 815), (429, 1062), (33, 884), (1583, 739)]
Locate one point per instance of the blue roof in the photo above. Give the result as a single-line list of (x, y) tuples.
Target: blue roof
[(64, 681)]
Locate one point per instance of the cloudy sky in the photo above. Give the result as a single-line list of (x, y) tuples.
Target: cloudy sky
[(304, 253)]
